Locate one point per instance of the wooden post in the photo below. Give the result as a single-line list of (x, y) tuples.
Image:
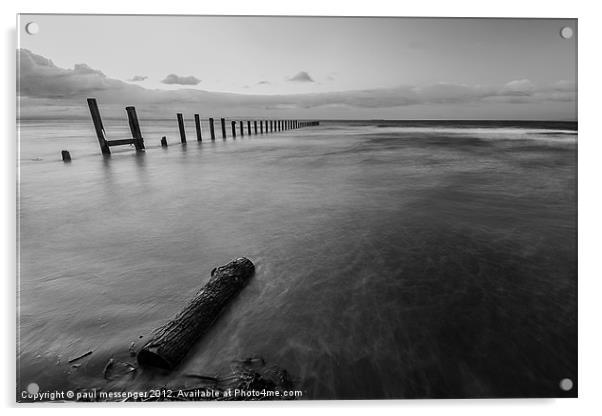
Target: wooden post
[(100, 130), (181, 127), (164, 141), (249, 127), (261, 126), (242, 129), (197, 123), (66, 156), (255, 124), (135, 128), (223, 128), (211, 129), (234, 129), (170, 343)]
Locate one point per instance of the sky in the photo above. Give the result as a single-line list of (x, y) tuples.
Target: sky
[(302, 67)]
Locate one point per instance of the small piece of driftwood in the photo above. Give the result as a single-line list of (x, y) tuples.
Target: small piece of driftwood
[(170, 343), (79, 357)]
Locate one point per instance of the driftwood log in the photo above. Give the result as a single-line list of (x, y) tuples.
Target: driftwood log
[(170, 343)]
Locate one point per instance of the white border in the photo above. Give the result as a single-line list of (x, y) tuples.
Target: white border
[(590, 158)]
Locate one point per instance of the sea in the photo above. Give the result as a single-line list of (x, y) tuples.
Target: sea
[(394, 259)]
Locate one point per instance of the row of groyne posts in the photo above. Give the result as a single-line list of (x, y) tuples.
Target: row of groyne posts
[(252, 127)]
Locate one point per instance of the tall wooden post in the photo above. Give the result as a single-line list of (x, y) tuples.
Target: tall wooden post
[(211, 129), (261, 126), (181, 127), (100, 130), (197, 123), (255, 124), (223, 128), (249, 127), (135, 128), (234, 129), (242, 129)]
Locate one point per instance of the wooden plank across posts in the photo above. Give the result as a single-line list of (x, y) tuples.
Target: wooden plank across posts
[(164, 141), (100, 130), (223, 128), (171, 342), (242, 129), (249, 126), (211, 129), (255, 123), (197, 123), (181, 127), (234, 129), (135, 128), (120, 142)]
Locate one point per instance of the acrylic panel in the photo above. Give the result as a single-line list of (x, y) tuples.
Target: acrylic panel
[(296, 208)]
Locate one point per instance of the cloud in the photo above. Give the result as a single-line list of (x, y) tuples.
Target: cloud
[(301, 76), (180, 80), (521, 87), (138, 78), (45, 88), (39, 76), (263, 83)]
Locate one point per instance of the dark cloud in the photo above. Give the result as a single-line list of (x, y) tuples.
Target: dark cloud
[(301, 76), (263, 83), (138, 78), (39, 76), (180, 80), (43, 85)]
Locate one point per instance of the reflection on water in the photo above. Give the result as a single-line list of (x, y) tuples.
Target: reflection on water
[(392, 261)]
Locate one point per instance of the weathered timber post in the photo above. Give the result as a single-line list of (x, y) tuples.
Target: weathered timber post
[(223, 128), (181, 127), (135, 128), (163, 141), (261, 126), (170, 343), (100, 130), (255, 124), (271, 126), (197, 123), (211, 129), (66, 156), (234, 129), (249, 127), (242, 129)]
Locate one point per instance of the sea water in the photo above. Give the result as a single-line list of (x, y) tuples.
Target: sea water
[(394, 259)]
